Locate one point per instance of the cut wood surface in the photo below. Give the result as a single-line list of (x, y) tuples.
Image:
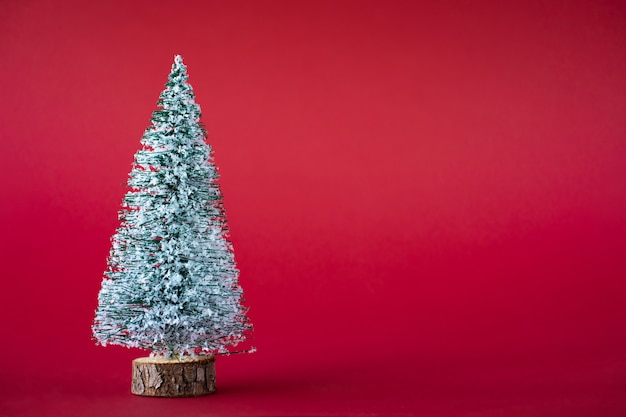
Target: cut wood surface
[(185, 377)]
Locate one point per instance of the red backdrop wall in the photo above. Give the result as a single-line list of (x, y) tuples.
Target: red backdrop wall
[(427, 199)]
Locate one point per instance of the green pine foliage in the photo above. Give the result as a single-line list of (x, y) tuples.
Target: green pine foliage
[(172, 285)]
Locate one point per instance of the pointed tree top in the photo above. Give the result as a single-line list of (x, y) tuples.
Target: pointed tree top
[(179, 71)]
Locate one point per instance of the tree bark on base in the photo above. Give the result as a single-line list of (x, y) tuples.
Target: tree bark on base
[(185, 377)]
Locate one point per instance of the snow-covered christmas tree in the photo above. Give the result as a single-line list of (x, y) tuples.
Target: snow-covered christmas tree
[(171, 285)]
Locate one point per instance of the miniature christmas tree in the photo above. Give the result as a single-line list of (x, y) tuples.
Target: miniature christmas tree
[(171, 285)]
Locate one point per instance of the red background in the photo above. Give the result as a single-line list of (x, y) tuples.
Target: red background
[(427, 200)]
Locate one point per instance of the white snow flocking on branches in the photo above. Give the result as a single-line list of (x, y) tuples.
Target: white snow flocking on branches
[(171, 284)]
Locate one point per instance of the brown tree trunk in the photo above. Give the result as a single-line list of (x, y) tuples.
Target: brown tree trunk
[(185, 377)]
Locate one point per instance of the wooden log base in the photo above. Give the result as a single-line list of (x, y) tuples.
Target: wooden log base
[(185, 377)]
